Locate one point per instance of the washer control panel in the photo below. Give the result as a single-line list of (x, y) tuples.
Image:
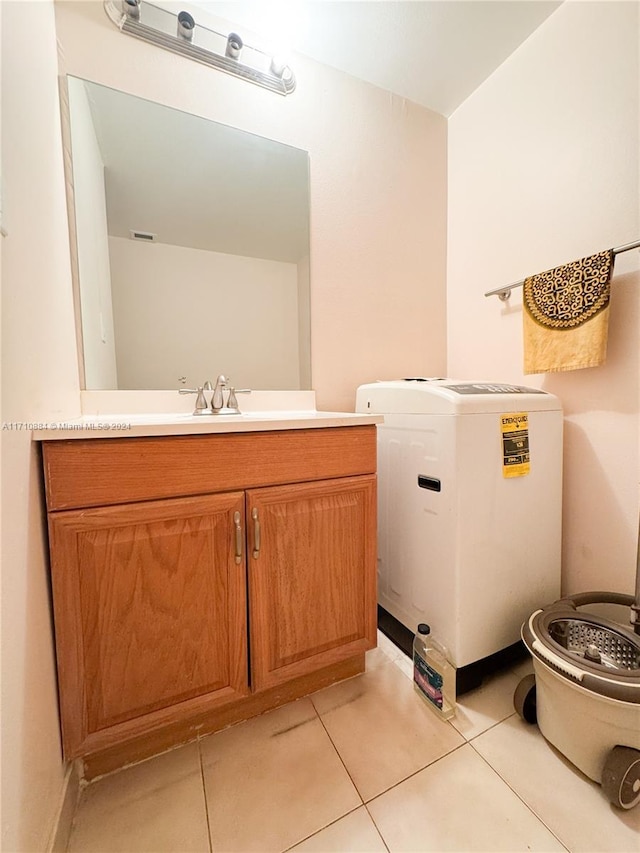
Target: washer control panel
[(481, 388)]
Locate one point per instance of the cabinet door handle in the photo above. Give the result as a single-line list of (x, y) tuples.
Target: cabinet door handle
[(238, 527), (256, 533)]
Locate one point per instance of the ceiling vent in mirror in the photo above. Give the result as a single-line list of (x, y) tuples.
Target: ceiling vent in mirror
[(182, 34), (145, 236)]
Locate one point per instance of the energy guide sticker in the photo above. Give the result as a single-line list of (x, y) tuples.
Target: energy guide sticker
[(515, 444)]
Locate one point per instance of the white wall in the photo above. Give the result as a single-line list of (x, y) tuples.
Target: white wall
[(378, 201), (39, 383), (543, 169), (188, 312), (92, 246), (304, 322), (378, 194)]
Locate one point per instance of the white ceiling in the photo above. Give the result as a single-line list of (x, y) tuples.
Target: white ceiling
[(433, 52), (197, 183)]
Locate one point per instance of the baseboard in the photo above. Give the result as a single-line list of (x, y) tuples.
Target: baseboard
[(68, 802), (181, 731)]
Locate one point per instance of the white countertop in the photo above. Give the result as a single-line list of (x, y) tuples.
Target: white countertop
[(162, 423)]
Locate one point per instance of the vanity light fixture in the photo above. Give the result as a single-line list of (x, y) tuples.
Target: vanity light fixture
[(280, 67), (234, 46), (131, 8), (179, 34), (186, 25)]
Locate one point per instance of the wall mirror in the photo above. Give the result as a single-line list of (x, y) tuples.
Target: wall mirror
[(192, 248)]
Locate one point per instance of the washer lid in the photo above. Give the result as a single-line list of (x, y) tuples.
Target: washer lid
[(424, 395)]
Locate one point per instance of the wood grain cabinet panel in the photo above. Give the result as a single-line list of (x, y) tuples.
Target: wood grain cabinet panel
[(104, 471), (312, 585), (150, 609), (159, 598)]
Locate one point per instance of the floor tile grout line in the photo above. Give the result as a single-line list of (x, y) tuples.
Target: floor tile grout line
[(450, 722), (399, 782), (522, 800), (363, 802), (204, 791), (455, 749), (415, 773), (337, 752), (488, 729), (378, 830), (322, 828)]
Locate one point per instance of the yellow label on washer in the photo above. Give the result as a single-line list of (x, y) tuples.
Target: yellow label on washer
[(515, 444)]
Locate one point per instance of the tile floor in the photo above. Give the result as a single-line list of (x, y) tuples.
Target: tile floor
[(359, 767)]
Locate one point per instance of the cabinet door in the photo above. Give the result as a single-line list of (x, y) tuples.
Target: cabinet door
[(150, 606), (312, 576)]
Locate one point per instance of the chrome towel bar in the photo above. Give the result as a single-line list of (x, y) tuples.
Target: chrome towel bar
[(503, 293)]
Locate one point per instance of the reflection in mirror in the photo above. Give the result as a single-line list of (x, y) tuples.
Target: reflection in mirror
[(192, 243)]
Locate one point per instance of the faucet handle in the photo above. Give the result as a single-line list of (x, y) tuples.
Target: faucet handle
[(232, 402), (202, 407)]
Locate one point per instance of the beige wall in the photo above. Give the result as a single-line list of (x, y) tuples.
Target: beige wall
[(378, 202), (39, 383), (188, 312), (304, 323), (378, 194), (90, 210), (543, 168)]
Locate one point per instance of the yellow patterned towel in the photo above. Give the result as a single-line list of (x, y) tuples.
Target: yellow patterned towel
[(566, 315)]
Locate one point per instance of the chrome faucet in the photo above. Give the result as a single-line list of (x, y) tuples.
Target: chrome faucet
[(217, 405), (217, 401)]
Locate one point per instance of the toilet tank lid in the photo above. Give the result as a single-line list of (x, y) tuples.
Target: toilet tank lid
[(426, 395)]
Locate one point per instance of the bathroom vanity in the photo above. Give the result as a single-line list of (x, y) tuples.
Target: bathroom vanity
[(204, 577)]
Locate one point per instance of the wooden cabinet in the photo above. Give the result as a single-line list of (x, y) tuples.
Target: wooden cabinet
[(309, 581), (140, 592), (183, 602)]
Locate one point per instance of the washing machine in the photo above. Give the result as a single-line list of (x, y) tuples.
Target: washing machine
[(469, 510)]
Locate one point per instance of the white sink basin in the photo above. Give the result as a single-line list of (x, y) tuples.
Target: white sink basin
[(182, 417), (259, 416)]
